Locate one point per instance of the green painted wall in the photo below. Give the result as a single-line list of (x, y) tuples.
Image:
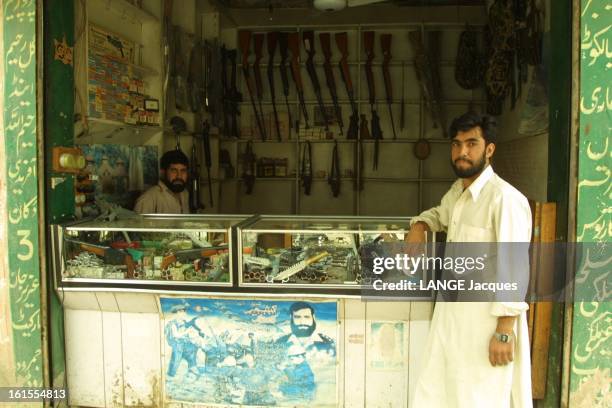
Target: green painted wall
[(59, 131), (591, 339), (21, 167)]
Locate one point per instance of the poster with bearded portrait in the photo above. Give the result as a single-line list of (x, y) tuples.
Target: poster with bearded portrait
[(250, 352)]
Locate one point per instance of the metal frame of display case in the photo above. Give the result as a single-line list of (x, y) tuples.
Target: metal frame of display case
[(235, 286), (57, 250)]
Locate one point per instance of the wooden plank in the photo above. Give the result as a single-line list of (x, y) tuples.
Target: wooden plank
[(535, 239), (543, 312)]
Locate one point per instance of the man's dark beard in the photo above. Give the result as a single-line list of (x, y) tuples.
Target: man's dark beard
[(177, 186), (470, 171), (303, 332)]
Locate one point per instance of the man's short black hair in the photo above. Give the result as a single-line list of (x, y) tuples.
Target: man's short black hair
[(173, 157), (470, 120), (299, 306)]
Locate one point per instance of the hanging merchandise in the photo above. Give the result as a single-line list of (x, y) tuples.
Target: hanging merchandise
[(225, 163), (309, 47), (178, 125), (194, 181), (207, 158), (231, 96), (427, 71), (498, 77), (213, 86), (272, 39), (167, 53), (334, 172), (306, 169), (368, 42), (533, 40), (470, 64), (179, 71), (245, 45), (325, 40), (248, 167), (385, 44), (345, 74), (293, 43), (283, 45), (258, 40), (195, 79)]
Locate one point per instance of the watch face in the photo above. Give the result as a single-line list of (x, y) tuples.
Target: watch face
[(503, 338)]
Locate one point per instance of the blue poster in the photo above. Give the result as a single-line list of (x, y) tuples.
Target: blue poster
[(250, 352)]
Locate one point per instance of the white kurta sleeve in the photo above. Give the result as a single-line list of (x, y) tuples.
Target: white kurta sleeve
[(512, 218), (436, 218)]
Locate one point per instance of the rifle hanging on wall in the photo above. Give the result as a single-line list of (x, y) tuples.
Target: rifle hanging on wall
[(195, 79), (334, 173), (402, 102), (248, 167), (194, 181), (385, 44), (207, 158), (231, 96), (258, 40), (353, 129), (345, 74), (180, 89), (283, 47), (272, 40), (245, 41), (308, 39), (293, 41), (167, 53), (306, 168), (368, 41), (329, 77)]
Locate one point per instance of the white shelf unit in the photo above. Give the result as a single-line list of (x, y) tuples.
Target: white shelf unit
[(142, 27), (402, 185)]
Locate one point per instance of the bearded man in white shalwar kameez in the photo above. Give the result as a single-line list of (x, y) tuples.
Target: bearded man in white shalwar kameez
[(477, 353)]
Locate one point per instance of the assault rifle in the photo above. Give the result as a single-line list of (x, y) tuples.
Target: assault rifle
[(245, 42), (308, 38)]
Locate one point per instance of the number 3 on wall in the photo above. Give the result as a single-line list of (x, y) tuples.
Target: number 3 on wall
[(27, 243)]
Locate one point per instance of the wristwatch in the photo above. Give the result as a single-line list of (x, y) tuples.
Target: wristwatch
[(503, 337)]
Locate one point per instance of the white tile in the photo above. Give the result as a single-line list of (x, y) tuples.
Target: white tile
[(140, 336), (84, 357)]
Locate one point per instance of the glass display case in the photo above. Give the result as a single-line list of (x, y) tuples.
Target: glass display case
[(322, 252), (161, 250)]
